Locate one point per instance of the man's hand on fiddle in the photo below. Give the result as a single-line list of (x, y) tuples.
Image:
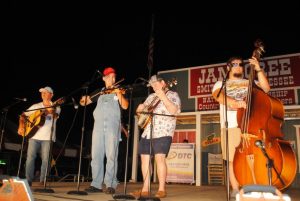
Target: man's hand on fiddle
[(85, 100)]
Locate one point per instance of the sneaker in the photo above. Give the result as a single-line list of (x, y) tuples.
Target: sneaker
[(93, 189), (110, 190), (161, 194)]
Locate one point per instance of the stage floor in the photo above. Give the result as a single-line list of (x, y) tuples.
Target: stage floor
[(176, 192)]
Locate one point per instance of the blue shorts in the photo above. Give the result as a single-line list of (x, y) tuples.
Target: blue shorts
[(159, 145)]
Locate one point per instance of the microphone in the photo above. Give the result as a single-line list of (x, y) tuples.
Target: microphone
[(137, 84), (144, 81), (74, 103), (101, 75), (21, 99), (259, 144)]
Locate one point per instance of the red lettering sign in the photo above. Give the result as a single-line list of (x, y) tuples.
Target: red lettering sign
[(207, 103), (287, 97), (281, 71)]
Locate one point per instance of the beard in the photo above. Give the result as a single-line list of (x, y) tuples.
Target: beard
[(238, 75)]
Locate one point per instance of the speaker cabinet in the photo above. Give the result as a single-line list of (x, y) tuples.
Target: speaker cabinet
[(15, 189)]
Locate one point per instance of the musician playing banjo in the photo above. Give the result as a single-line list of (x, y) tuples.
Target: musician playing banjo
[(167, 103)]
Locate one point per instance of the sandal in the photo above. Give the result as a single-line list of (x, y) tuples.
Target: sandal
[(161, 194), (138, 194)]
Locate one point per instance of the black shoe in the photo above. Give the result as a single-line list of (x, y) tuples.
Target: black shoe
[(110, 190), (93, 189)]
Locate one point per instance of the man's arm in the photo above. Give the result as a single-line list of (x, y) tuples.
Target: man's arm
[(171, 106), (234, 104), (122, 100)]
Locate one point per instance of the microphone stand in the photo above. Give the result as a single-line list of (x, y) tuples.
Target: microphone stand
[(21, 151), (3, 123), (4, 112), (270, 163), (77, 192), (152, 114), (125, 196), (49, 190), (226, 134), (85, 88)]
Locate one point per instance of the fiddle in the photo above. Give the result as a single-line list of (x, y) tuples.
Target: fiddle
[(105, 91), (112, 90), (86, 100)]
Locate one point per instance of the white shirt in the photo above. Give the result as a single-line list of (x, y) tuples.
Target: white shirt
[(236, 89), (44, 132)]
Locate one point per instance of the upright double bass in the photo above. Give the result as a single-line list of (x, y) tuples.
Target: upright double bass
[(263, 156)]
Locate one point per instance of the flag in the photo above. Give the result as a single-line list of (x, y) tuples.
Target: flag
[(151, 48), (150, 53)]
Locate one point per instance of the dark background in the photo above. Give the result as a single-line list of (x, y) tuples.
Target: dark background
[(62, 45)]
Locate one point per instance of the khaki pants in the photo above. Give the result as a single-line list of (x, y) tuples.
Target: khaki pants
[(234, 138)]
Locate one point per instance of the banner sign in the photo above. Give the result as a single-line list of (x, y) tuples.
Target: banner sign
[(281, 71), (180, 163), (210, 140)]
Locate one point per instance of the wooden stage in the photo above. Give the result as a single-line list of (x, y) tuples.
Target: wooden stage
[(176, 192)]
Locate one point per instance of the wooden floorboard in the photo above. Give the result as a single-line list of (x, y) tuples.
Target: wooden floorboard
[(176, 192)]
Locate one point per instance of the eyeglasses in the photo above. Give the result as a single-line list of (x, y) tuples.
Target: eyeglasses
[(237, 64)]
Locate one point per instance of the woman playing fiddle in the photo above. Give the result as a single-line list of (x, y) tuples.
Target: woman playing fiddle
[(106, 132)]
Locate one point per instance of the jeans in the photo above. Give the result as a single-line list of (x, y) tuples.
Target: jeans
[(104, 145), (105, 141), (35, 146)]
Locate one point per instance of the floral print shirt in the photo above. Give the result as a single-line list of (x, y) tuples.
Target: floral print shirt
[(162, 125)]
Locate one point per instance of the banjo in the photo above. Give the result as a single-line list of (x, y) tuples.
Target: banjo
[(144, 117)]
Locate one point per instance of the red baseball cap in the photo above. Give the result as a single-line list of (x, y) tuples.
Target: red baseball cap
[(108, 70)]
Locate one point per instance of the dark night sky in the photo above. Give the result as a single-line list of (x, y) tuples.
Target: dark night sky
[(62, 47)]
